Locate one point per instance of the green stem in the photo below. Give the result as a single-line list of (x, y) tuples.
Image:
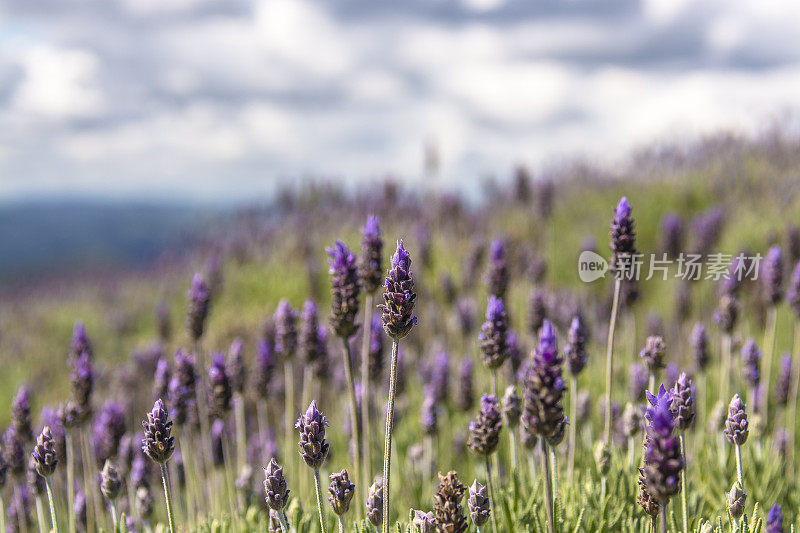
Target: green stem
[(283, 521), (165, 482), (2, 513), (573, 426), (791, 414), (554, 473), (40, 515), (725, 368), (548, 495), (241, 432), (318, 489), (289, 410), (663, 516), (365, 395), (70, 460), (652, 383), (341, 524), (114, 520), (52, 502), (610, 361), (631, 452), (354, 422), (739, 465), (490, 486), (769, 349), (512, 437), (387, 445), (494, 382), (684, 488), (653, 524)]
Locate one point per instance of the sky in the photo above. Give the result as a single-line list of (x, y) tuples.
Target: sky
[(225, 100)]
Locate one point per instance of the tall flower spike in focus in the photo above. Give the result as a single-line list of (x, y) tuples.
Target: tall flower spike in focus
[(662, 455), (313, 445), (737, 427), (399, 298), (544, 388), (370, 269), (484, 432), (683, 403), (44, 453), (199, 297), (494, 334), (345, 289), (277, 493), (447, 504), (497, 272), (158, 442)]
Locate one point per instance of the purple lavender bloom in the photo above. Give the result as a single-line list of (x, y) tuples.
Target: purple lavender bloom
[(429, 415), (341, 492), (727, 312), (313, 445), (324, 362), (465, 397), (375, 363), (537, 310), (44, 453), (671, 234), (285, 330), (653, 353), (218, 438), (699, 342), (662, 455), (161, 379), (440, 377), (793, 294), (736, 426), (181, 395), (399, 298), (265, 368), (544, 388), (107, 431), (772, 276), (80, 342), (21, 414), (110, 484), (683, 402), (345, 289), (494, 334), (784, 382), (308, 339), (751, 361), (575, 350), (199, 297), (637, 382), (238, 371), (484, 433), (465, 311), (158, 442), (774, 519), (275, 486), (623, 237), (706, 229), (82, 384), (425, 522), (370, 269), (51, 417), (497, 273), (515, 355), (219, 383)]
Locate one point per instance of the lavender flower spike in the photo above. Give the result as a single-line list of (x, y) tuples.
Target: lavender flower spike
[(375, 504), (544, 388), (623, 237), (220, 390), (793, 294), (683, 402), (751, 360), (110, 484), (425, 522), (575, 350), (653, 353), (285, 330), (478, 503), (736, 426), (484, 433), (44, 453), (370, 269), (345, 289), (662, 456), (341, 492), (21, 414), (80, 342), (772, 276), (158, 442), (199, 296), (699, 342), (275, 487), (313, 445), (497, 273), (447, 504), (494, 334), (774, 519), (399, 298)]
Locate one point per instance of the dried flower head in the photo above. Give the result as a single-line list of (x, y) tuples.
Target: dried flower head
[(374, 503), (478, 503), (447, 504)]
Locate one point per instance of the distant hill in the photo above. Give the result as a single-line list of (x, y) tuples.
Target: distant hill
[(63, 237)]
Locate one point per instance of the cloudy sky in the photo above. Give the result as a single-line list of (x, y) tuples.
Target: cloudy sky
[(222, 99)]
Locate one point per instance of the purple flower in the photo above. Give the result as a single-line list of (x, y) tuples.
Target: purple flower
[(199, 297), (537, 310), (375, 363), (623, 237), (484, 433), (107, 431), (683, 402), (44, 453), (751, 361), (425, 522), (399, 298), (575, 350), (772, 276), (21, 414), (341, 492), (285, 330), (671, 234), (429, 414), (736, 426), (662, 455), (706, 229), (440, 377), (313, 445), (158, 442), (774, 519), (515, 355), (653, 353), (275, 486), (465, 397), (345, 289), (465, 311), (370, 269), (793, 294), (727, 312), (181, 396), (494, 334), (784, 382), (238, 371), (736, 500), (497, 273), (80, 342), (699, 342), (308, 340), (219, 383), (82, 384), (265, 367), (544, 388), (161, 379)]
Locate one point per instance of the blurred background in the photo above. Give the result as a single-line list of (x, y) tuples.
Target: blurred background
[(126, 125)]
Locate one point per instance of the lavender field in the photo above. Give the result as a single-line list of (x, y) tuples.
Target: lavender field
[(245, 385)]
